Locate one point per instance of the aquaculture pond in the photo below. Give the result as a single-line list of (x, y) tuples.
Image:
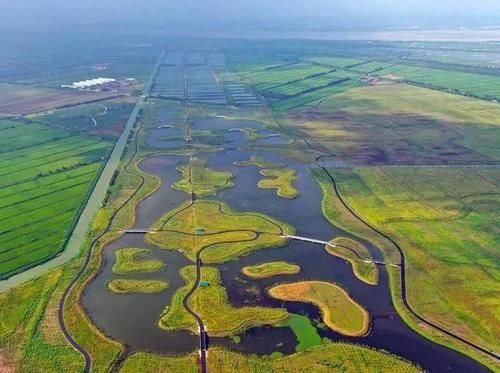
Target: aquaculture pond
[(133, 318)]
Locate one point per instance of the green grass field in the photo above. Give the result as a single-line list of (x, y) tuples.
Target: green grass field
[(340, 312), (45, 175), (446, 221), (331, 357), (486, 86)]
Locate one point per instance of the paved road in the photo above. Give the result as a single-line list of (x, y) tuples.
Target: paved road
[(94, 202)]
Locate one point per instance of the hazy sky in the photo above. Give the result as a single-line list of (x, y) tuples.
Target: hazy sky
[(342, 12)]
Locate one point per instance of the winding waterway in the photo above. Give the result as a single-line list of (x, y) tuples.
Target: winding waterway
[(132, 319)]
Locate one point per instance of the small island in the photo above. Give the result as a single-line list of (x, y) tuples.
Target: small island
[(128, 286), (340, 312), (270, 269)]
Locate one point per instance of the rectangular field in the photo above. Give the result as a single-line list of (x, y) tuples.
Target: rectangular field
[(45, 176), (485, 86)]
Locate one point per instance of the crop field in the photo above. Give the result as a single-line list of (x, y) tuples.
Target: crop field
[(40, 168), (106, 117), (478, 85), (340, 62), (370, 67), (317, 82), (265, 80), (314, 95), (446, 221)]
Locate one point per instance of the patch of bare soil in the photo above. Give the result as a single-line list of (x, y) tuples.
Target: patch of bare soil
[(6, 366)]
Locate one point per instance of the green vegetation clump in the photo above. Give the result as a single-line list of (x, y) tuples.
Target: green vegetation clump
[(211, 303), (331, 357), (45, 178), (130, 260), (258, 161), (270, 269), (127, 286), (340, 312), (199, 179), (357, 255), (306, 333), (222, 234), (281, 179)]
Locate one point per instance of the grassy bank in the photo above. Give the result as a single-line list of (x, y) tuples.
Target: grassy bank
[(332, 357), (358, 256)]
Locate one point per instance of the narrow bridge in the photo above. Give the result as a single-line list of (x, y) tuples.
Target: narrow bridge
[(325, 243), (137, 231)]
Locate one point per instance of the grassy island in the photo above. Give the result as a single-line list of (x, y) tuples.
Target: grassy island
[(258, 161), (199, 179), (222, 233), (340, 312), (211, 303), (281, 179), (270, 269), (126, 286), (130, 260)]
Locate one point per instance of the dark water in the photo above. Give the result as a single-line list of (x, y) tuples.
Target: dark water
[(132, 319)]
